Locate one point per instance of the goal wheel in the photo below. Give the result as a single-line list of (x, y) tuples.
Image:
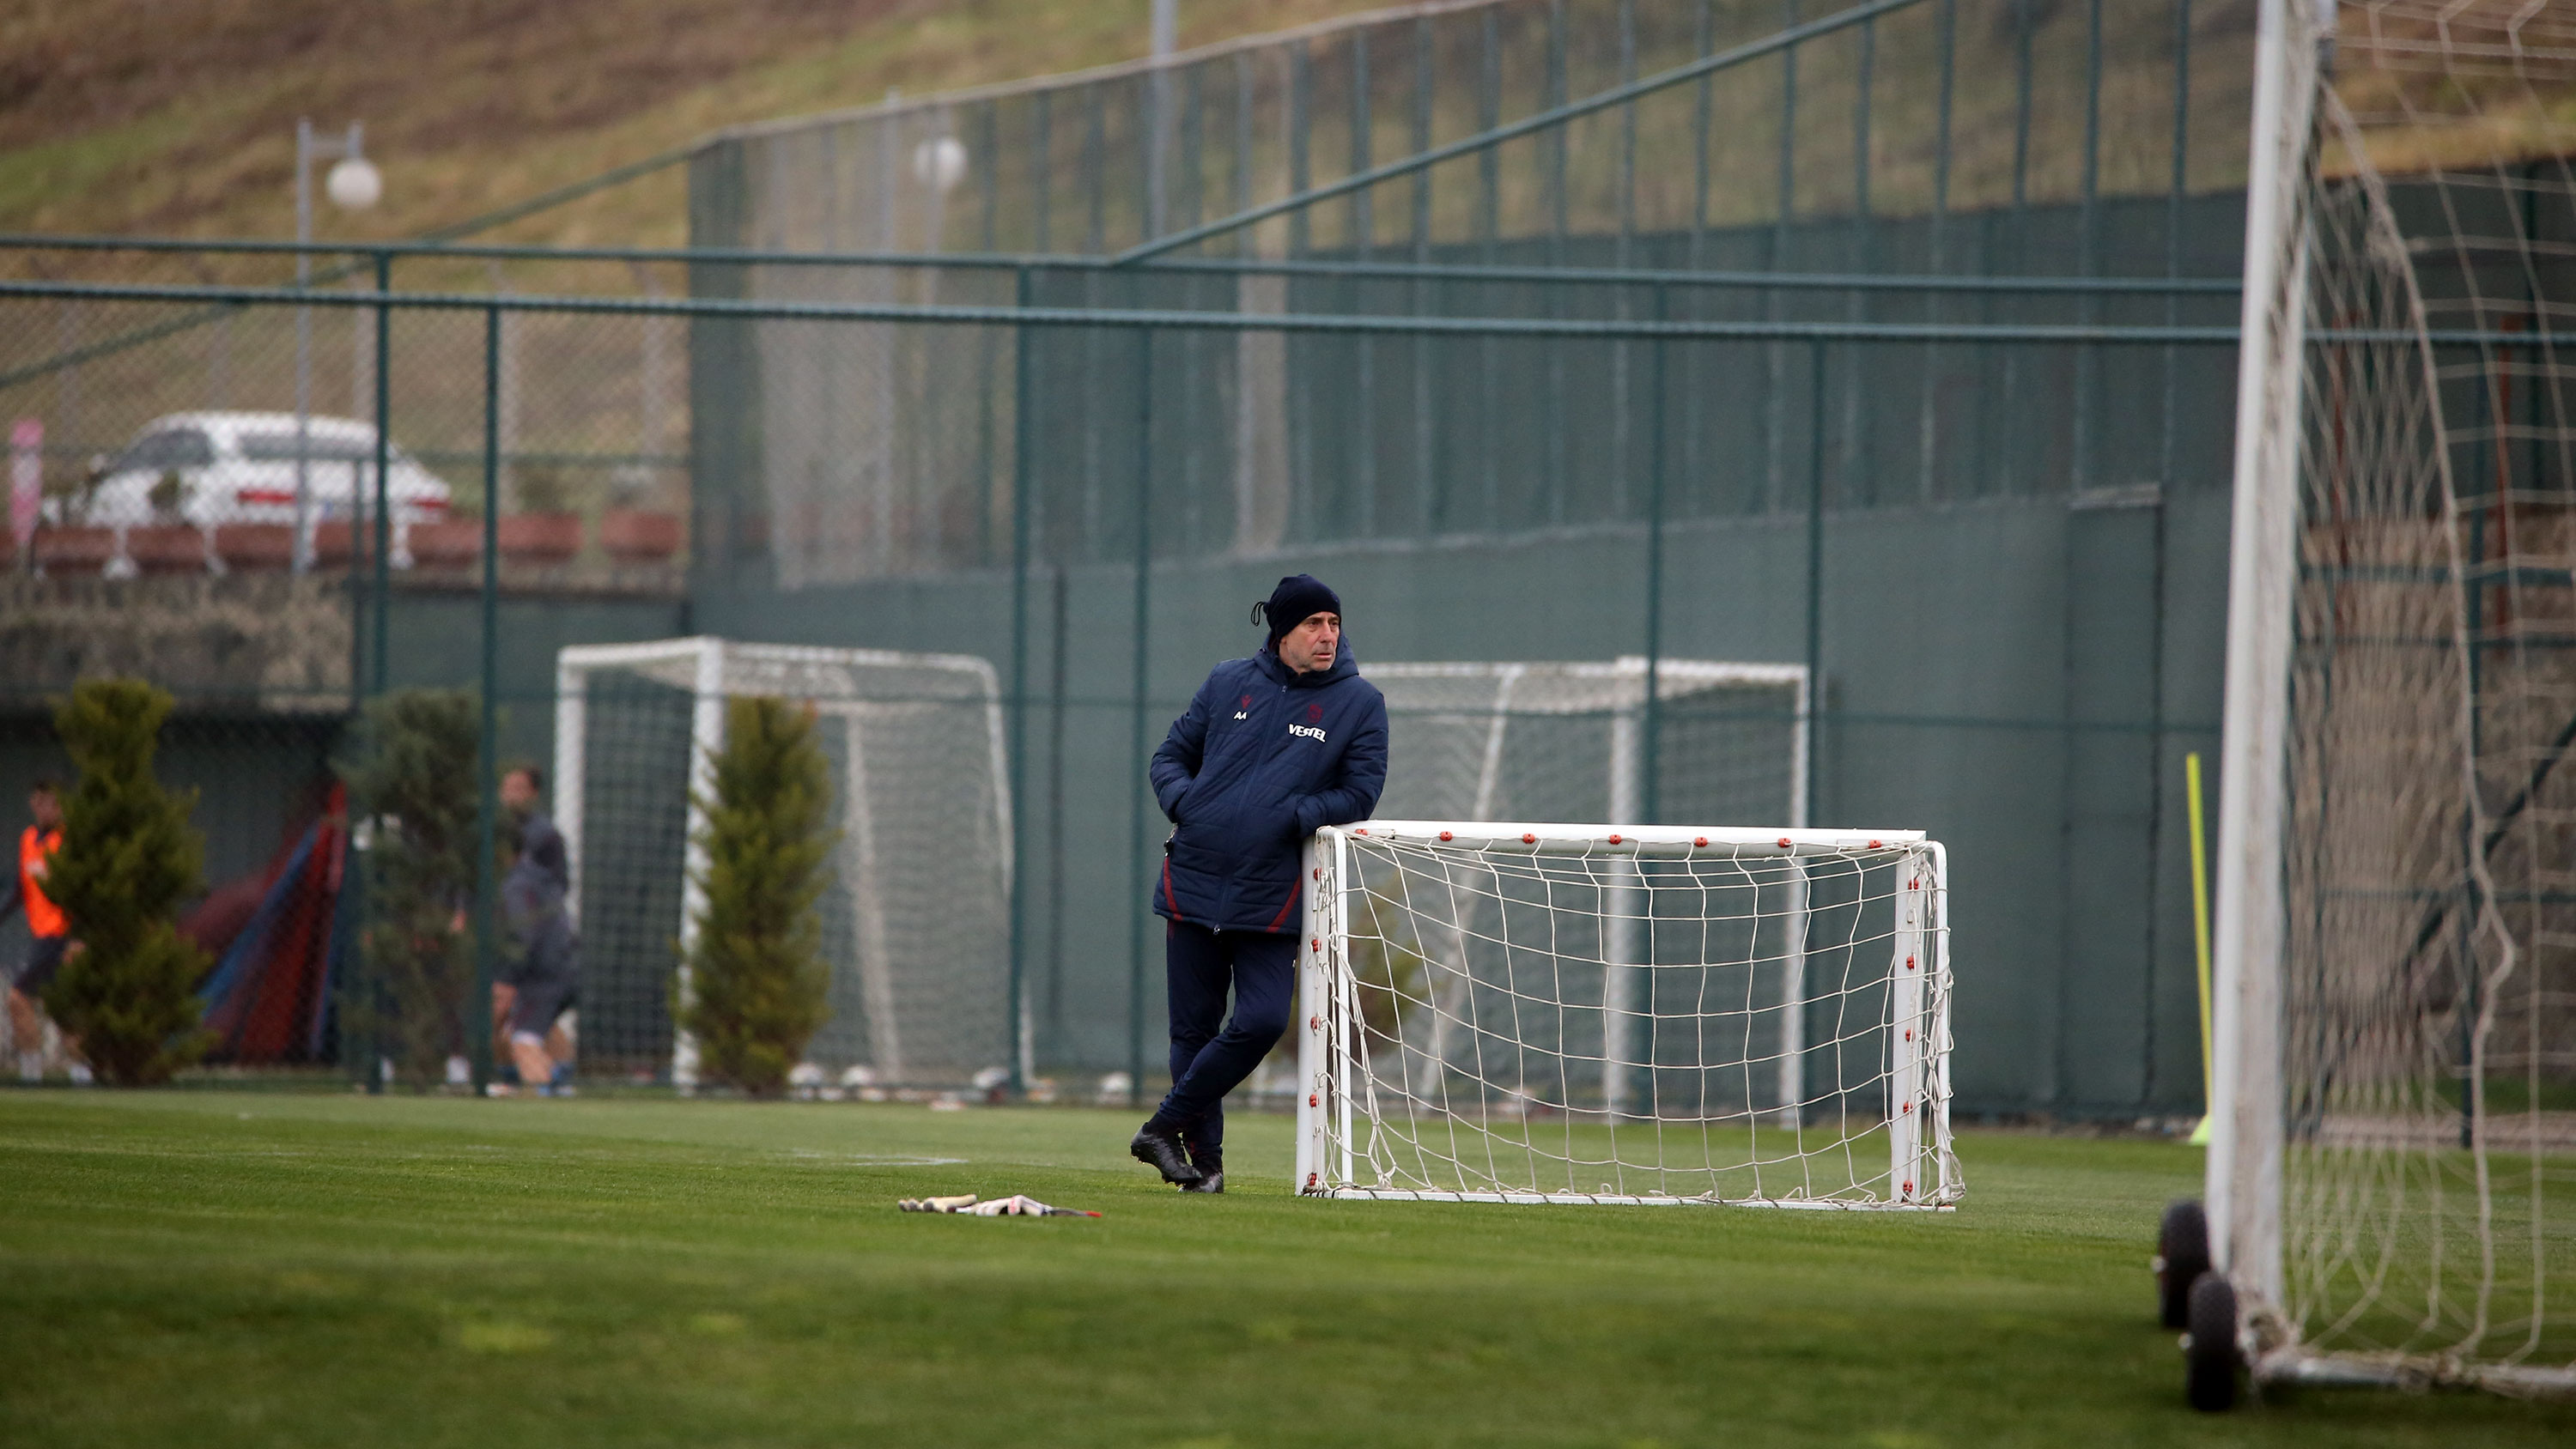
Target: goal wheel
[(2209, 1345), (2182, 1254)]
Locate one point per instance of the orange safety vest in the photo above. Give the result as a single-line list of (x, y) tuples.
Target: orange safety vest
[(44, 918)]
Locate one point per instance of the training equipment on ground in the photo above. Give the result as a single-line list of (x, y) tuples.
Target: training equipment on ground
[(2395, 1053), (1570, 741), (916, 922), (1624, 1014), (1018, 1205)]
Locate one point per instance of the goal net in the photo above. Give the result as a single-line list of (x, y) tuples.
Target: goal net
[(1597, 1014), (1568, 741), (2394, 1112), (915, 922)]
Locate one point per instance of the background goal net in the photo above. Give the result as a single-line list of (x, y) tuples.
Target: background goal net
[(2394, 1111), (1559, 1013), (1568, 741), (916, 924)]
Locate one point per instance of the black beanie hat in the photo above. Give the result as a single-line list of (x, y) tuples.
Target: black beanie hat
[(1288, 606)]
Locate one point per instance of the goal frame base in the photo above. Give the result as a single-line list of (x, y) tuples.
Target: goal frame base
[(1592, 1199), (2355, 1371)]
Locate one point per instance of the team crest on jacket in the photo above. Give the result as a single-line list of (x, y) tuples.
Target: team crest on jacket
[(1243, 707), (1314, 714)]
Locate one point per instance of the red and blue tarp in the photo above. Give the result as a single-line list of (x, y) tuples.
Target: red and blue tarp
[(268, 999)]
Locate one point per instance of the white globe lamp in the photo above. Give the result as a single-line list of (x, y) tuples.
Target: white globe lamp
[(354, 184), (939, 164)]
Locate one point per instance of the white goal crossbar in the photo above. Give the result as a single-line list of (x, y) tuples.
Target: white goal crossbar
[(1550, 1013)]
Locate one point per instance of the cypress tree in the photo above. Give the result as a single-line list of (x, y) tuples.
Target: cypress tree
[(757, 976), (128, 856), (413, 781)]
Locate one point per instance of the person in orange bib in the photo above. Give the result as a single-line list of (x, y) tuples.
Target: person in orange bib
[(46, 923)]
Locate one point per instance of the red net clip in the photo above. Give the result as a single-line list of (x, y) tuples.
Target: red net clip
[(1319, 872), (1784, 842), (1312, 1100), (1909, 1033), (1909, 1189), (1315, 942), (1529, 840), (1444, 835), (1909, 963), (1909, 1106), (1310, 1179), (1873, 845), (1363, 830), (1614, 840), (1699, 841)]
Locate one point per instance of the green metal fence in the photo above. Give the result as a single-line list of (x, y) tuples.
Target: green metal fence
[(1106, 564), (1894, 342)]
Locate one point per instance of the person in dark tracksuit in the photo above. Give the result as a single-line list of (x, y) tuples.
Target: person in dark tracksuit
[(541, 978), (1271, 748)]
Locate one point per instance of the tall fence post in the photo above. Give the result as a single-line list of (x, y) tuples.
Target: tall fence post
[(487, 813), (366, 990), (1652, 796), (1815, 565), (1138, 886), (1018, 1026), (382, 662)]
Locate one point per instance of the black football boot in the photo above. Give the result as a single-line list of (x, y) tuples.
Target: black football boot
[(1208, 1160), (1162, 1151)]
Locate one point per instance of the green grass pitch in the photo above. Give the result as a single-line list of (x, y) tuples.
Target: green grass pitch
[(203, 1269)]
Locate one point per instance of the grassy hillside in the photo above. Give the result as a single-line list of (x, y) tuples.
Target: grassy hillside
[(177, 117)]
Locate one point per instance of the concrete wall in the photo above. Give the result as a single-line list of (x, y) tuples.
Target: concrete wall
[(261, 665)]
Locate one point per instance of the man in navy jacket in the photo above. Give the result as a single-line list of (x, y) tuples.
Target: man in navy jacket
[(1271, 748)]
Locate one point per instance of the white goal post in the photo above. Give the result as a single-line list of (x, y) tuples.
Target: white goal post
[(1549, 1013), (2393, 1101), (916, 920)]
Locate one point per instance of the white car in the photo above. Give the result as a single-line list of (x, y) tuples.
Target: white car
[(241, 468)]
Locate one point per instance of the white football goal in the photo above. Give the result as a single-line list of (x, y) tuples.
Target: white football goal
[(1601, 1014), (916, 922), (2393, 1110)]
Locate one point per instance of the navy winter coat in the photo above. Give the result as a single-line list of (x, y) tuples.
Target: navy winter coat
[(1263, 757)]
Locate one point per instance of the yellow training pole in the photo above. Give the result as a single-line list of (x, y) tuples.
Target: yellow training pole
[(2200, 936)]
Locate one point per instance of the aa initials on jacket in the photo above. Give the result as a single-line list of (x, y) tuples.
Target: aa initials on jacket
[(1263, 758)]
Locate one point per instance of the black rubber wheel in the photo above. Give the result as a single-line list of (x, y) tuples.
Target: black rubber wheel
[(2209, 1345), (2182, 1254)]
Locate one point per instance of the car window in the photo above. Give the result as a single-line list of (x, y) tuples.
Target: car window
[(169, 448), (280, 448)]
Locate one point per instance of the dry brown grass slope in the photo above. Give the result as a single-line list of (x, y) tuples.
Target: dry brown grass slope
[(177, 117)]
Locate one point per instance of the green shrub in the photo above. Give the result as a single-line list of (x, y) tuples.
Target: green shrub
[(756, 977), (413, 784), (128, 857)]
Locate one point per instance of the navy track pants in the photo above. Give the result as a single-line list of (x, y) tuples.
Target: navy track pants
[(1199, 964)]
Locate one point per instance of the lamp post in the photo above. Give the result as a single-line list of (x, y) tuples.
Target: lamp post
[(1164, 32), (354, 185)]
